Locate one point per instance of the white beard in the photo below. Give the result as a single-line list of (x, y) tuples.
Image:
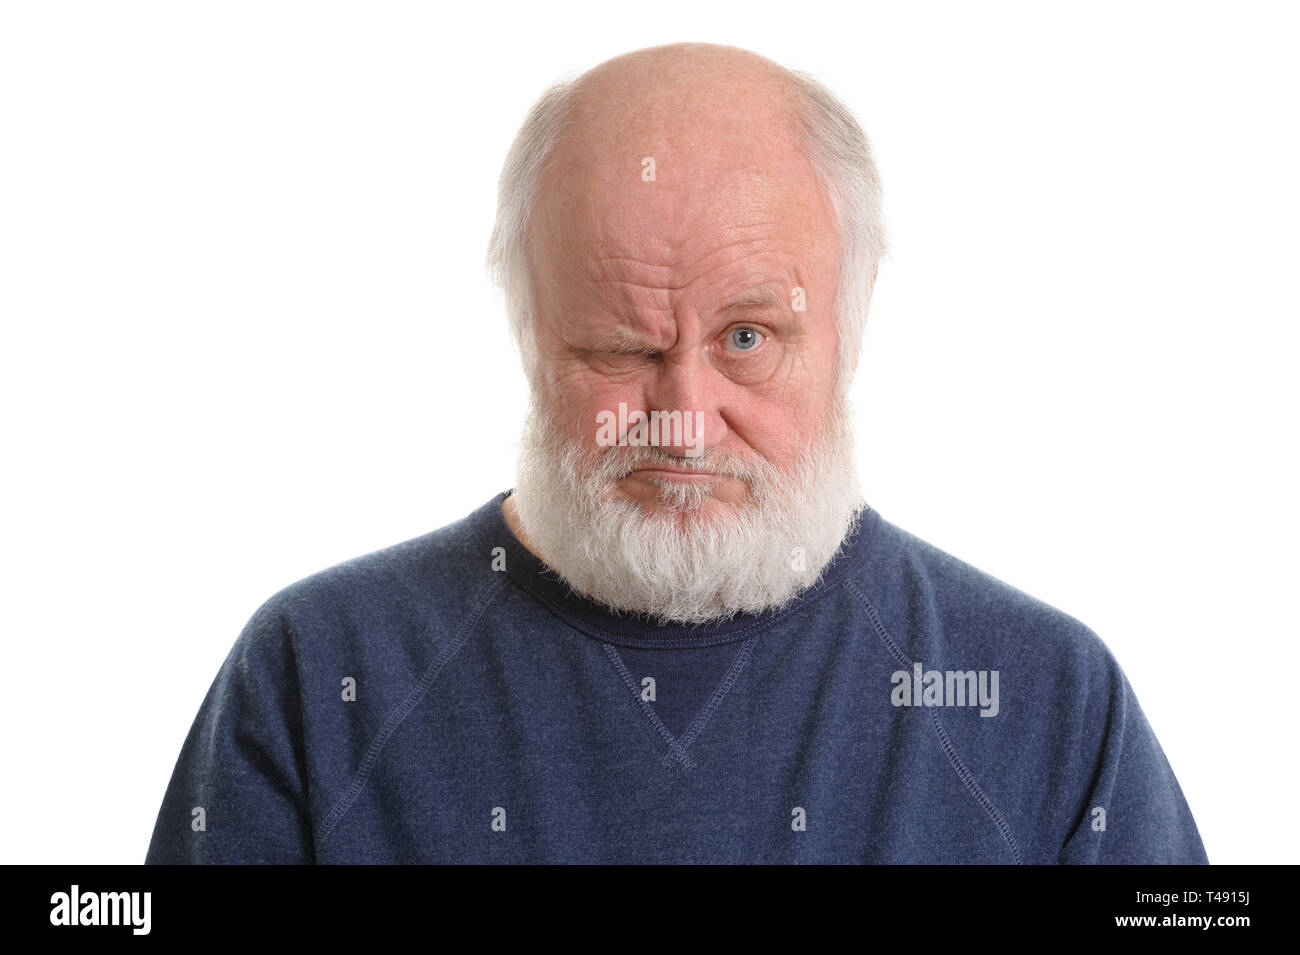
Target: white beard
[(681, 563)]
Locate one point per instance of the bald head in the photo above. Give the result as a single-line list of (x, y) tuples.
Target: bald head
[(687, 100), (699, 65), (662, 142)]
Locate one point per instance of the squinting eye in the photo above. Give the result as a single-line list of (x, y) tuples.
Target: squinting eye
[(744, 338)]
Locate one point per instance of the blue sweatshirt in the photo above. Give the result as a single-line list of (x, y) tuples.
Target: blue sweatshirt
[(447, 699)]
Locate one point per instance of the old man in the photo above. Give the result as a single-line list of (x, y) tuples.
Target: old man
[(683, 636)]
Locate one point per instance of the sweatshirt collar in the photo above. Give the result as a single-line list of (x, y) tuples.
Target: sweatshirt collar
[(626, 629)]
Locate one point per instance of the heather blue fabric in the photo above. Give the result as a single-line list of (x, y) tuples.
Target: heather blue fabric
[(499, 718), (684, 678)]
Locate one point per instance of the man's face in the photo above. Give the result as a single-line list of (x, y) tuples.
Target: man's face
[(709, 289), (705, 292)]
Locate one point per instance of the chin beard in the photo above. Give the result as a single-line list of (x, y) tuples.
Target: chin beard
[(694, 558)]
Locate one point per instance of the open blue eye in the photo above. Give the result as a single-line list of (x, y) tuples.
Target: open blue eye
[(744, 338)]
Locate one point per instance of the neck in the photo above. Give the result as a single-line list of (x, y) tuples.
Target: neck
[(516, 528)]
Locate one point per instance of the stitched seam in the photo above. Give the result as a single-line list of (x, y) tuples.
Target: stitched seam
[(402, 711), (733, 674), (815, 592), (303, 763), (966, 777), (675, 749), (954, 760)]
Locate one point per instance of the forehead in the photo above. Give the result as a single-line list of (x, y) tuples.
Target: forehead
[(730, 201)]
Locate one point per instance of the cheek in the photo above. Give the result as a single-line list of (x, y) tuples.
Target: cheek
[(571, 386), (779, 425), (587, 414), (771, 430)]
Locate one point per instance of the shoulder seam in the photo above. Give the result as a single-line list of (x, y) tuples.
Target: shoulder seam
[(945, 743), (403, 710)]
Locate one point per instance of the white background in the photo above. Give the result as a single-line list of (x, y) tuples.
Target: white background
[(247, 334)]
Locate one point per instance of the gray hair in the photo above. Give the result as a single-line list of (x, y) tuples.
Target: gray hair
[(838, 150)]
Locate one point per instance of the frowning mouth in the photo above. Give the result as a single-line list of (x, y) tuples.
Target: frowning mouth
[(672, 474)]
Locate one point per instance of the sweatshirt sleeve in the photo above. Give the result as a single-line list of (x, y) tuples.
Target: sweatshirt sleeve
[(1134, 812), (238, 793)]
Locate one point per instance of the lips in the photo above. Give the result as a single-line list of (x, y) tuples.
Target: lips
[(674, 472)]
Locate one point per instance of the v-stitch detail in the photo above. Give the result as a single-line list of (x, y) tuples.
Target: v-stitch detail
[(677, 747)]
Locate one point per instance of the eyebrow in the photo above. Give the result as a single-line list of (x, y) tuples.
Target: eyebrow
[(620, 342), (755, 298)]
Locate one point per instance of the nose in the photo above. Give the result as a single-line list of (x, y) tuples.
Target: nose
[(686, 389)]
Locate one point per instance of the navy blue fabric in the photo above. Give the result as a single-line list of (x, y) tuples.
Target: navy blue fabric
[(499, 717), (684, 680)]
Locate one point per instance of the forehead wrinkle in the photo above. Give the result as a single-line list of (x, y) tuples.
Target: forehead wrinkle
[(615, 287), (635, 307), (769, 252)]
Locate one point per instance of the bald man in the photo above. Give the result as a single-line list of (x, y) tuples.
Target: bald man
[(683, 636)]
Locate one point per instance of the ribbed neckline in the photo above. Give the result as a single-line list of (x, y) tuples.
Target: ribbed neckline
[(624, 629)]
